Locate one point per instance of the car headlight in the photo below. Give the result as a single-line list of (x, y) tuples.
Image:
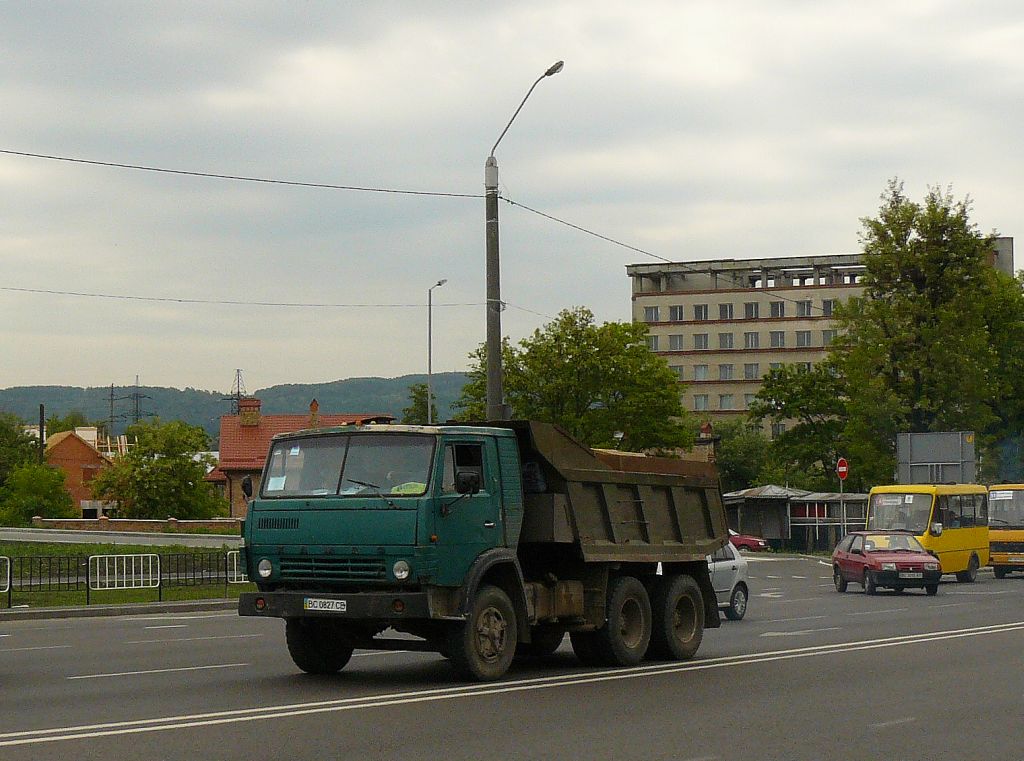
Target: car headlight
[(888, 566), (401, 570), (264, 568), (931, 566)]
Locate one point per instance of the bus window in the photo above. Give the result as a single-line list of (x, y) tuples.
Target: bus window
[(889, 511)]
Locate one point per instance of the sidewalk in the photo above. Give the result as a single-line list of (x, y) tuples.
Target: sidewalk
[(126, 609)]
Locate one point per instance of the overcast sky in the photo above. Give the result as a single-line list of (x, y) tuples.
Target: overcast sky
[(691, 130)]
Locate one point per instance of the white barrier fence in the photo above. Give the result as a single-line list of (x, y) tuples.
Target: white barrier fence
[(236, 575), (5, 573), (124, 571)]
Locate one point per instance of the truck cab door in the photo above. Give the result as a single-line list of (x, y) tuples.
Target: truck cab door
[(468, 524)]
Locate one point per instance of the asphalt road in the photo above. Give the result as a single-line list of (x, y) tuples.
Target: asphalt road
[(809, 674)]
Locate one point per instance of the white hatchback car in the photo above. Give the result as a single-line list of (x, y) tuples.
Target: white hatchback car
[(728, 569)]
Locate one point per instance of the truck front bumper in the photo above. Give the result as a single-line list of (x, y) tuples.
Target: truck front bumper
[(354, 605)]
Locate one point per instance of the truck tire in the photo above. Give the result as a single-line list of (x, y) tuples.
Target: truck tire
[(316, 646), (678, 609), (969, 576), (624, 639), (544, 641), (482, 648)]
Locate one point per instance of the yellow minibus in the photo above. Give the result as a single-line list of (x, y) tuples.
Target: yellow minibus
[(1006, 528), (950, 520)]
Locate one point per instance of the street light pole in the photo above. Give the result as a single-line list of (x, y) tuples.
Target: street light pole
[(496, 409), (430, 348)]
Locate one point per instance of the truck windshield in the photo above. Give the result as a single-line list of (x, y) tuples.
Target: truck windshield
[(1006, 508), (900, 511), (360, 465)]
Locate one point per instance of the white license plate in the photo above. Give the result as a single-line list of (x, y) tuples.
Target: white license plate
[(317, 603), (911, 575)]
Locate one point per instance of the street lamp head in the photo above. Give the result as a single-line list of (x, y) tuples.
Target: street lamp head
[(555, 68), (440, 282)]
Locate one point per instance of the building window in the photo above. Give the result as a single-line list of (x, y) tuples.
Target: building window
[(700, 341), (725, 401), (751, 340), (803, 308), (650, 314), (827, 337), (826, 307), (725, 372), (778, 429), (700, 402), (700, 312), (777, 339), (750, 310), (725, 311), (725, 340), (751, 371), (700, 372), (677, 313), (675, 342), (778, 308), (774, 365), (803, 338), (652, 343), (678, 369), (748, 399), (805, 366)]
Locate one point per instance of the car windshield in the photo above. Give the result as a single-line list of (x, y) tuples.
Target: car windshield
[(891, 543), (1006, 508), (908, 511), (366, 464)]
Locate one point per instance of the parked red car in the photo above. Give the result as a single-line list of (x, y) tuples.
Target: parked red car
[(893, 559), (747, 542)]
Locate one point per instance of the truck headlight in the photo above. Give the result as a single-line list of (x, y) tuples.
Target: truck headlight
[(401, 570), (888, 566), (264, 568)]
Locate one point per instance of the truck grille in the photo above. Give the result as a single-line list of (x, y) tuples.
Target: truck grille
[(305, 567), (278, 523), (1007, 547)]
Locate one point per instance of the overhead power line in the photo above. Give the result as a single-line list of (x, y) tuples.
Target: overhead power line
[(239, 178)]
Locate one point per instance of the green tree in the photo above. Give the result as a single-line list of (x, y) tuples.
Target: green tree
[(74, 419), (162, 474), (599, 382), (16, 446), (741, 453), (416, 412), (33, 489)]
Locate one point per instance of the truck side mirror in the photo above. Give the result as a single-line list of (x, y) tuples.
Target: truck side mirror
[(467, 482), (247, 487), (936, 529)]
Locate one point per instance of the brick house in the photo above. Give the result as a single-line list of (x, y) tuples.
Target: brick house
[(245, 441), (79, 460)]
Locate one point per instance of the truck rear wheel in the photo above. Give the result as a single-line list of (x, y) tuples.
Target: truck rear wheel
[(316, 646), (626, 636), (482, 648), (678, 608)]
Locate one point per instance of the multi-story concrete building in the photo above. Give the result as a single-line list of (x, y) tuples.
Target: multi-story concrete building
[(724, 324)]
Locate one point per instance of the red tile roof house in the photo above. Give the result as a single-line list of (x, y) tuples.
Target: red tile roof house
[(79, 460), (245, 441)]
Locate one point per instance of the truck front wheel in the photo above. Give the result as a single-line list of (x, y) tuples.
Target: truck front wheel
[(678, 608), (624, 639), (482, 648), (317, 646)]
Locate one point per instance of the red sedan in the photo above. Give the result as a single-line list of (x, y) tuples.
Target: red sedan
[(747, 542), (892, 559)]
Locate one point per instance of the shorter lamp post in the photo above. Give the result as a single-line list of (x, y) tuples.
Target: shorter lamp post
[(430, 348)]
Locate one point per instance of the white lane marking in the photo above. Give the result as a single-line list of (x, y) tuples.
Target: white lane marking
[(772, 589), (160, 671), (979, 594), (893, 723), (799, 599), (798, 577), (78, 732), (801, 632), (874, 612), (950, 605), (41, 647), (387, 652), (772, 595), (799, 618), (824, 585), (169, 626), (822, 562), (189, 639), (773, 577), (5, 635), (178, 617)]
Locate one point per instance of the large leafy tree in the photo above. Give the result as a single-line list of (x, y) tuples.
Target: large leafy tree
[(162, 474), (599, 382), (33, 489), (741, 453), (16, 446)]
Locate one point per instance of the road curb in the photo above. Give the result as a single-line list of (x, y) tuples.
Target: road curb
[(128, 609)]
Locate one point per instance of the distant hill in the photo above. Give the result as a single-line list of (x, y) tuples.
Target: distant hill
[(388, 395)]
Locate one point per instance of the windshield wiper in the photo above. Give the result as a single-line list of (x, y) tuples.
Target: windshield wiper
[(368, 485)]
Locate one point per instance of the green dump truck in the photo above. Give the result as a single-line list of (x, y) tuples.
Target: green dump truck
[(483, 542)]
